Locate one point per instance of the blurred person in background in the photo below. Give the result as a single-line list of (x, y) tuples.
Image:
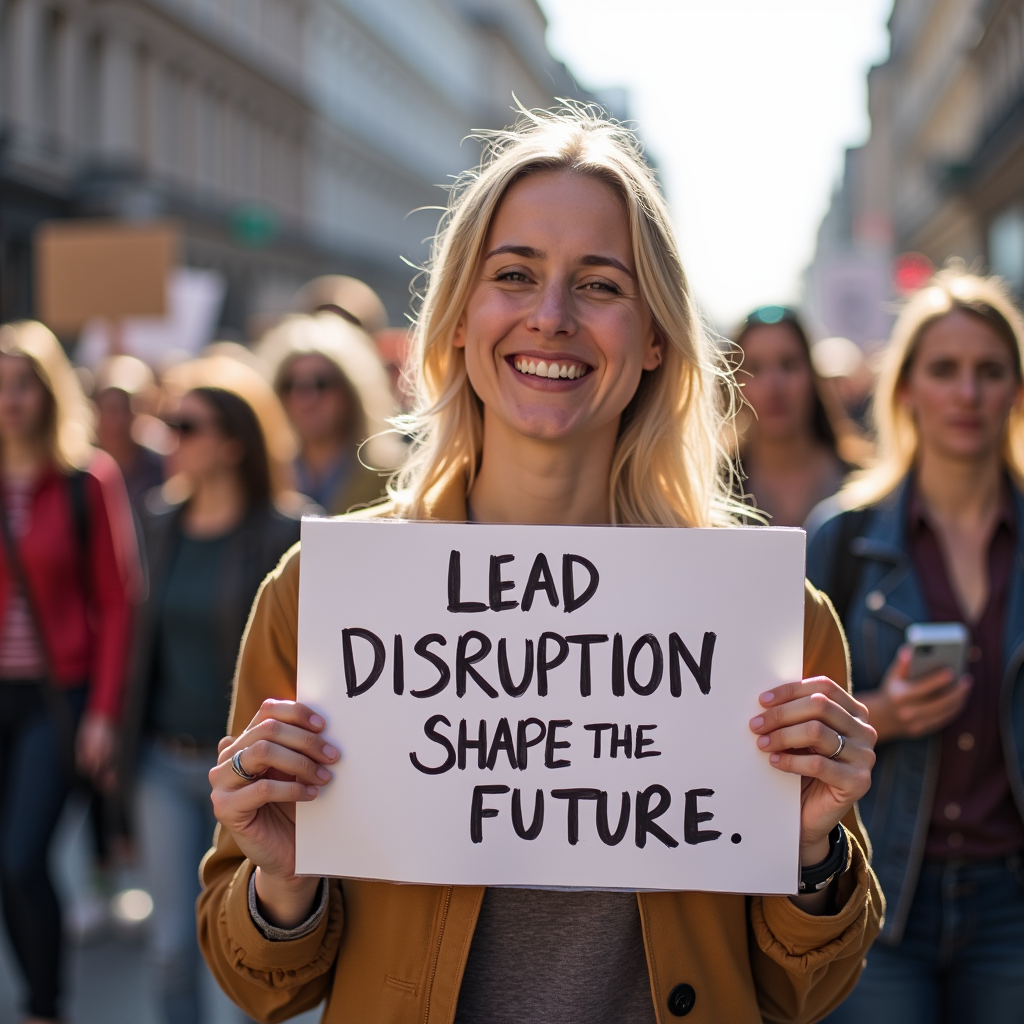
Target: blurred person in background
[(208, 549), (844, 368), (337, 395), (68, 575), (124, 389), (789, 447), (348, 297), (394, 345), (124, 395), (935, 532)]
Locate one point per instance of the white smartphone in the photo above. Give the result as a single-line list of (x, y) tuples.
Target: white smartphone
[(935, 645)]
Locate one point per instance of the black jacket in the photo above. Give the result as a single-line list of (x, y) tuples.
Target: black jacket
[(252, 552)]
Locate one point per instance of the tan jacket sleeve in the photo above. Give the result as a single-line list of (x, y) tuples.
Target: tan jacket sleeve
[(805, 966), (271, 981)]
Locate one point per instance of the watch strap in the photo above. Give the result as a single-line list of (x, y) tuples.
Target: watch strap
[(816, 877)]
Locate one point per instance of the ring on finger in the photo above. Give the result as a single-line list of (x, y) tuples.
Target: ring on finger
[(834, 756), (236, 767)]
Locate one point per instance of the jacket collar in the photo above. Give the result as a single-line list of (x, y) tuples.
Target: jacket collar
[(883, 538)]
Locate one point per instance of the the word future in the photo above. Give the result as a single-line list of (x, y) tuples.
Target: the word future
[(513, 740)]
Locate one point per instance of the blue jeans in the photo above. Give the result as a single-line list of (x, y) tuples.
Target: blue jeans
[(34, 783), (175, 828), (962, 956)]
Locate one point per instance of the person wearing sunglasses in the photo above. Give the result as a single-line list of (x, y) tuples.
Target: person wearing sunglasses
[(337, 395), (790, 436), (207, 554)]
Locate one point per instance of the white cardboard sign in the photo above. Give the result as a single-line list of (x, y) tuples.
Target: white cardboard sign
[(549, 706)]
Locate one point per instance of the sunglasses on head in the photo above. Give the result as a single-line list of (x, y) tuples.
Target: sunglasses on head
[(186, 426), (772, 315), (319, 384)]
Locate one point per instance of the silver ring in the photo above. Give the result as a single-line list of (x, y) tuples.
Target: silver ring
[(831, 757), (236, 767)]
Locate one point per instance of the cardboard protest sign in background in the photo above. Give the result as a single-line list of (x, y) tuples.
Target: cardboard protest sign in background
[(563, 706), (102, 268)]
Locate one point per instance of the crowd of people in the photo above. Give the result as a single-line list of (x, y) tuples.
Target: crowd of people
[(138, 524)]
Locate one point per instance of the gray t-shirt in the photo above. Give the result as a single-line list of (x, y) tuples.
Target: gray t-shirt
[(557, 957)]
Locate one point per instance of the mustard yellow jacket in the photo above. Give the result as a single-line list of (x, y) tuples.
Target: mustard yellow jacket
[(395, 954)]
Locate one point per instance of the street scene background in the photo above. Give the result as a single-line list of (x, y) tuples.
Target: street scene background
[(829, 157)]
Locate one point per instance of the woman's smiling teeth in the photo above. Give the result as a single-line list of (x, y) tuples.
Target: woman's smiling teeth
[(551, 370)]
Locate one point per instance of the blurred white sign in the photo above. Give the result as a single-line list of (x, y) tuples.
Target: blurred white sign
[(549, 706), (194, 299)]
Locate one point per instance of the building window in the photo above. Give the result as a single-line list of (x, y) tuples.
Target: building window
[(1006, 247)]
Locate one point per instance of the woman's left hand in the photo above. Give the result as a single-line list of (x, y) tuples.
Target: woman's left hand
[(800, 730), (94, 749)]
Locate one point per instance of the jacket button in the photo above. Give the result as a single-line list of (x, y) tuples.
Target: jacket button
[(875, 600), (681, 1000)]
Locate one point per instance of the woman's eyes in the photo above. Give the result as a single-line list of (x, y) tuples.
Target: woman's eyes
[(947, 369), (601, 286), (511, 276), (517, 276), (993, 371), (943, 369)]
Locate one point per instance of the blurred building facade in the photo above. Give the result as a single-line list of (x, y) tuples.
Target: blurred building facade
[(290, 137), (942, 173)]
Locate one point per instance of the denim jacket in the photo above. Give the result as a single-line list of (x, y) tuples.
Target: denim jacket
[(886, 599)]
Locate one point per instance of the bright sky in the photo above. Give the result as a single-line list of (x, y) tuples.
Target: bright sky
[(747, 106)]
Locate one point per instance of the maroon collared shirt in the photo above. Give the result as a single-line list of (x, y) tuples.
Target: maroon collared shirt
[(973, 815)]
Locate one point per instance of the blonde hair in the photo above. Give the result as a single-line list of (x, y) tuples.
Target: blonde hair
[(69, 429), (670, 466), (354, 355), (951, 290)]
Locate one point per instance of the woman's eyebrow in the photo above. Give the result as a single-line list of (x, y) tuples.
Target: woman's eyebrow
[(605, 261), (528, 252)]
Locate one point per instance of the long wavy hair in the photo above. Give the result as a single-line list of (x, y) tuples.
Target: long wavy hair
[(69, 419), (951, 290), (353, 354), (670, 466)]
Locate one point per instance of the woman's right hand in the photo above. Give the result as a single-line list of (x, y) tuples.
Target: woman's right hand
[(283, 746), (903, 708)]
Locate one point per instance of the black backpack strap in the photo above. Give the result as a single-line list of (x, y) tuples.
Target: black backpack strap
[(846, 567), (79, 508)]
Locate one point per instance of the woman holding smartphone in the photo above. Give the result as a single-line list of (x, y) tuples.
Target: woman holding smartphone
[(564, 377), (935, 533)]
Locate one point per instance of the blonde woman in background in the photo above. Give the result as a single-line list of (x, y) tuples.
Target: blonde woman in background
[(337, 395), (935, 532), (68, 575), (212, 535), (563, 377)]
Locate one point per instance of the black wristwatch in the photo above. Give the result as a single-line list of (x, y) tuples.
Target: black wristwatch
[(819, 876)]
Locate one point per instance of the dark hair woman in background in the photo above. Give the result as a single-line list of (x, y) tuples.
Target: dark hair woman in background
[(935, 532), (207, 556), (68, 572), (789, 448)]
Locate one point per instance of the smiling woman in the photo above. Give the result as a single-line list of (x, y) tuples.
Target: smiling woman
[(559, 249), (563, 377)]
